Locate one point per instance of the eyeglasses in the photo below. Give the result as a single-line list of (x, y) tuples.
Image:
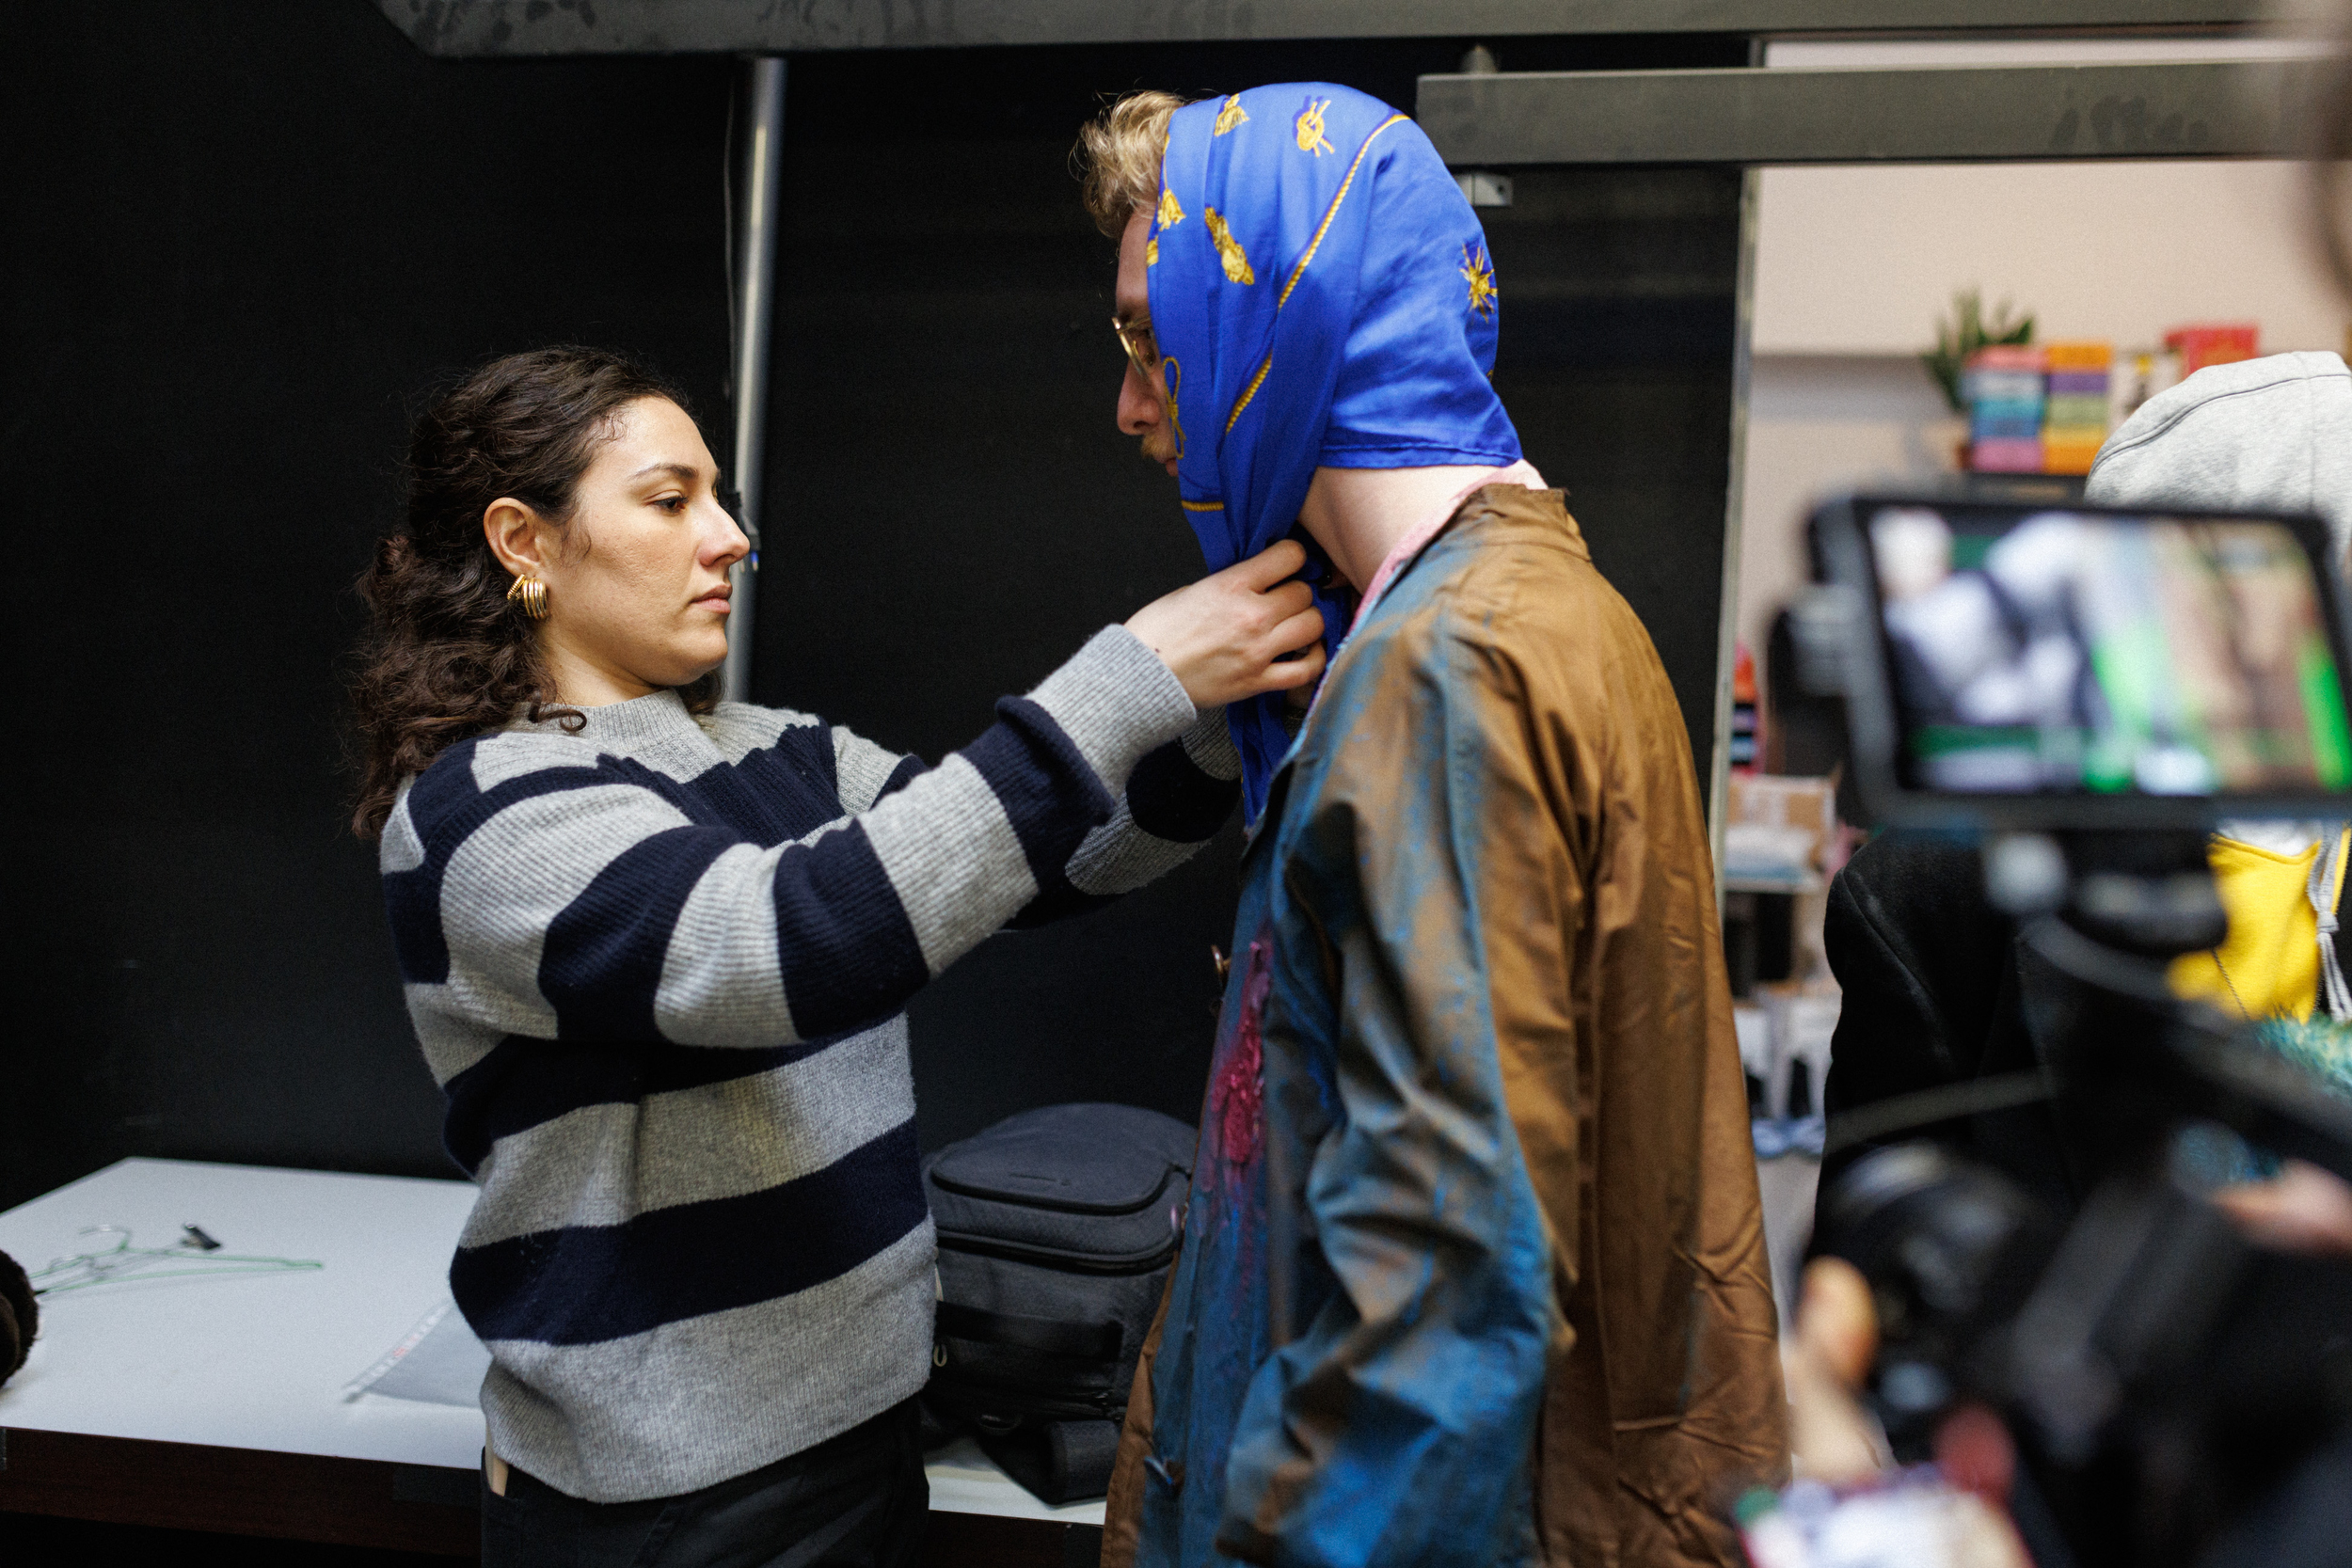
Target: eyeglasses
[(1143, 349)]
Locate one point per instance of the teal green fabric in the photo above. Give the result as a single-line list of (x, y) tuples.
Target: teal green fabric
[(1409, 1194), (2211, 1156)]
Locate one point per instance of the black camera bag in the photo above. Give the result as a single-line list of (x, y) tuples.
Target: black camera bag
[(1056, 1231)]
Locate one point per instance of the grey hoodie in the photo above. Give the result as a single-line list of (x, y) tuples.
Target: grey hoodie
[(2270, 435)]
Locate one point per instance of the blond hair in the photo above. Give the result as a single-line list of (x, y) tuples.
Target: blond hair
[(1118, 157)]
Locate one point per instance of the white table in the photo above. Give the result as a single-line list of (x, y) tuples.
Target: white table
[(257, 1364)]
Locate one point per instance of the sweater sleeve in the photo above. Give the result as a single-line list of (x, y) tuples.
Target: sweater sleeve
[(563, 894), (1175, 801)]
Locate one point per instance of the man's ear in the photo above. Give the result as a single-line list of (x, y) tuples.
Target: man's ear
[(516, 537)]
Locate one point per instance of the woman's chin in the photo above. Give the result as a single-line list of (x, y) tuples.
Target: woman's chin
[(699, 656), (680, 672)]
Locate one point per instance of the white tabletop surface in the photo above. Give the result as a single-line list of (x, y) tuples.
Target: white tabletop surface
[(260, 1361)]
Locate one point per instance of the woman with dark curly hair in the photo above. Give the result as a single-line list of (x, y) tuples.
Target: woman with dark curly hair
[(656, 947)]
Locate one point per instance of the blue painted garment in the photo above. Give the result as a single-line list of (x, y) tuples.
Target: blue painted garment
[(1387, 1230), (1304, 324)]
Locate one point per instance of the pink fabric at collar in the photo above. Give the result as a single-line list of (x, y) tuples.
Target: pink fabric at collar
[(1417, 538)]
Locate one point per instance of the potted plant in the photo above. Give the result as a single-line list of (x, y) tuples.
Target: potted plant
[(1969, 329)]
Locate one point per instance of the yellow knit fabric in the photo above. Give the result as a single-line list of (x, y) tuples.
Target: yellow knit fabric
[(2271, 955)]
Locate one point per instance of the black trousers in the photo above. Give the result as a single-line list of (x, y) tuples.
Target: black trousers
[(858, 1500)]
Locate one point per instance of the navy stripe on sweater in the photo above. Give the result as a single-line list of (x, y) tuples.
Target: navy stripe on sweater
[(446, 808), (1043, 779), (584, 1284), (1172, 799), (773, 795), (910, 768), (602, 963), (857, 960)]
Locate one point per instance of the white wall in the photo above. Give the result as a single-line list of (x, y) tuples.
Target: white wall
[(1816, 424), (1855, 264), (1864, 260)]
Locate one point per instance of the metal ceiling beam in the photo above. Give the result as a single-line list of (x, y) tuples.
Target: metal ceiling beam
[(531, 27), (2250, 108)]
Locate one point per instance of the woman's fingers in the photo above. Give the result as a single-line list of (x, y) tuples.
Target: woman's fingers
[(1288, 675), (1279, 560), (1296, 631), (1224, 637), (1287, 599)]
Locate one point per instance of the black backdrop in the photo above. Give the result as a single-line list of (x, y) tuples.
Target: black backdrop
[(243, 237)]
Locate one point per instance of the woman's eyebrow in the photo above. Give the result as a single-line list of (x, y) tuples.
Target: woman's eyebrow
[(684, 470)]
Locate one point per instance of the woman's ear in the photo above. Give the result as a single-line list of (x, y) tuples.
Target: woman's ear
[(516, 536)]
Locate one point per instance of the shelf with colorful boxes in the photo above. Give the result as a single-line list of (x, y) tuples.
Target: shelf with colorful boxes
[(2047, 408)]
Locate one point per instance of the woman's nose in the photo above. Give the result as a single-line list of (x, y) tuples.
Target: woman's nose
[(1138, 405), (726, 542)]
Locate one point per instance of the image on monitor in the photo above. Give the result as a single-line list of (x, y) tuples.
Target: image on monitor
[(2065, 652)]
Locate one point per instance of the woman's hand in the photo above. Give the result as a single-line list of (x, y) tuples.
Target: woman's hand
[(1224, 636)]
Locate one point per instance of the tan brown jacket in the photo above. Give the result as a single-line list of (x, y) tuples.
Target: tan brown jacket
[(1475, 1268)]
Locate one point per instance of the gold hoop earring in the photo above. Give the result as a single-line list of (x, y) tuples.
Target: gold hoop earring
[(534, 594)]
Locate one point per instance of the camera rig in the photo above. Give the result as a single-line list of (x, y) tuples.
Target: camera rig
[(2173, 1390)]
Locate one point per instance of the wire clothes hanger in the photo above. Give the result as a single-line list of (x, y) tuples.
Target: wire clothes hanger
[(194, 1254)]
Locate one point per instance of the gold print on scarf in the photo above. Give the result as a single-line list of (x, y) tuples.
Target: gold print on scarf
[(1170, 214), (1227, 248), (1152, 251), (1229, 115), (1481, 273), (1175, 373), (1310, 128), (1300, 269)]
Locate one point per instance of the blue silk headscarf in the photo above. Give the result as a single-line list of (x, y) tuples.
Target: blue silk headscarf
[(1323, 296)]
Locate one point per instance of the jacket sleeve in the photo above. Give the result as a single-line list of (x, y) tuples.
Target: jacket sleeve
[(1933, 976), (1920, 958), (1389, 1431), (573, 898)]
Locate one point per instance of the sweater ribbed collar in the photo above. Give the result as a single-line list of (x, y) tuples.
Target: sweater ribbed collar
[(625, 727)]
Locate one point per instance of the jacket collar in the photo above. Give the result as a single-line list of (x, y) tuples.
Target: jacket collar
[(1433, 523), (1515, 494)]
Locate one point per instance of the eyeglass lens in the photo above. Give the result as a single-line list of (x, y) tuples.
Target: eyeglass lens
[(1142, 346)]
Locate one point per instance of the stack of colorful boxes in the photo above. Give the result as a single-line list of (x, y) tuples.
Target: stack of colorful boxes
[(2075, 412), (2003, 385)]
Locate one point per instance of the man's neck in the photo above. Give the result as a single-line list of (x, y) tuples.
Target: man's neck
[(1359, 515)]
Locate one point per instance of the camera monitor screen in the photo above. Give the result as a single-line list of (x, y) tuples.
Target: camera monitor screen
[(2045, 651)]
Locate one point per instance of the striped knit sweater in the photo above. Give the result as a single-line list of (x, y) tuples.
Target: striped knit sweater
[(658, 968)]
